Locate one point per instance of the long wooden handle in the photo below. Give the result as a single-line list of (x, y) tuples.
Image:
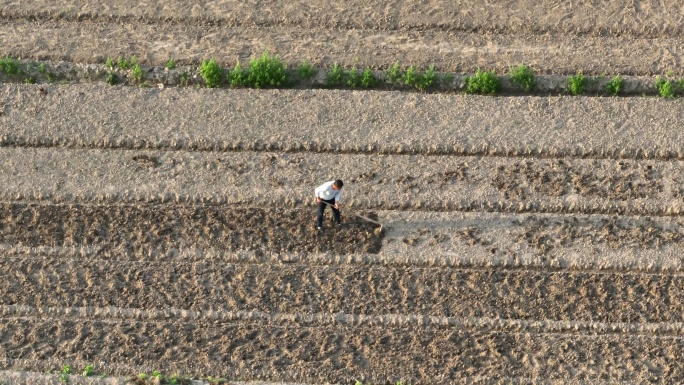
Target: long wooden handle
[(358, 215)]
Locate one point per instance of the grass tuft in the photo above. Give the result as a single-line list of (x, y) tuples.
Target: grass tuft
[(665, 88), (9, 66), (427, 79), (211, 72), (171, 64), (267, 71), (64, 374), (394, 74), (523, 76), (112, 79), (615, 85), (411, 77), (484, 82), (305, 70), (368, 80), (353, 78), (576, 84), (88, 371), (336, 76), (137, 73), (237, 77)]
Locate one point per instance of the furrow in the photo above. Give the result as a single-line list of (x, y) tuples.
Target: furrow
[(351, 289), (513, 17), (380, 182), (450, 51), (342, 352), (339, 121), (207, 317)]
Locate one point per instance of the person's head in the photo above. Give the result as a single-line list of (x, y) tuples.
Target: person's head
[(337, 184)]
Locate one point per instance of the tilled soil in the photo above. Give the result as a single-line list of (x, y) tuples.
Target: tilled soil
[(525, 240), (641, 37), (340, 352), (144, 229), (498, 293)]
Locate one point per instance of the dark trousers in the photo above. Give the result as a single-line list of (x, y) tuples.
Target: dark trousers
[(321, 210)]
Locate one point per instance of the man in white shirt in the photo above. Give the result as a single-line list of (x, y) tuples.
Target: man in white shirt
[(329, 193)]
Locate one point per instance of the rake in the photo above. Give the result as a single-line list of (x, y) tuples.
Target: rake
[(377, 230)]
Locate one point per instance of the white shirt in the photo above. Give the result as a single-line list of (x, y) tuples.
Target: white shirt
[(326, 191)]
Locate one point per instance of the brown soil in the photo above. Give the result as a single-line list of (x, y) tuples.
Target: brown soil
[(637, 38), (143, 230), (525, 240)]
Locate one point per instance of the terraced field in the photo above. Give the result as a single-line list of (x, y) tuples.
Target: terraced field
[(525, 239)]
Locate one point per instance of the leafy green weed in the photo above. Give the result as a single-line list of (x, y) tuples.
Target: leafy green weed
[(523, 76), (615, 85), (484, 82), (576, 84), (211, 72), (267, 71), (665, 88)]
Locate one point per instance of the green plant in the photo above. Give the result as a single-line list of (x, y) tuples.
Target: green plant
[(576, 84), (353, 78), (237, 77), (142, 376), (211, 72), (157, 374), (368, 80), (64, 374), (109, 63), (305, 70), (9, 66), (42, 69), (336, 75), (427, 79), (112, 79), (484, 82), (411, 77), (137, 72), (123, 63), (171, 64), (614, 86), (216, 380), (394, 74), (88, 371), (523, 76), (267, 71), (665, 88), (29, 80)]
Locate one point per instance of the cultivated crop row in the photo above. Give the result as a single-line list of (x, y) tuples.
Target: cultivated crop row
[(268, 71)]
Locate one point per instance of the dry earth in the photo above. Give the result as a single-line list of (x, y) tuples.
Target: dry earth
[(525, 239)]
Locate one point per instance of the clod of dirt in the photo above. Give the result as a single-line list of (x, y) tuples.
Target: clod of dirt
[(147, 160), (139, 228)]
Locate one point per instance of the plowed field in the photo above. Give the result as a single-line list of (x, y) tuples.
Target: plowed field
[(524, 239)]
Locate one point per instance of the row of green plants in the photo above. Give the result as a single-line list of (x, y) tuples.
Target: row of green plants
[(156, 376), (268, 71)]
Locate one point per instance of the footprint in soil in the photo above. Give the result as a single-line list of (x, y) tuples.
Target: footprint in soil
[(146, 228), (147, 160)]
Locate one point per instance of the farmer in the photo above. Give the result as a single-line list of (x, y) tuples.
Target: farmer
[(329, 193)]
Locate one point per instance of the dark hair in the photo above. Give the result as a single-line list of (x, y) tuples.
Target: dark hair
[(338, 183)]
